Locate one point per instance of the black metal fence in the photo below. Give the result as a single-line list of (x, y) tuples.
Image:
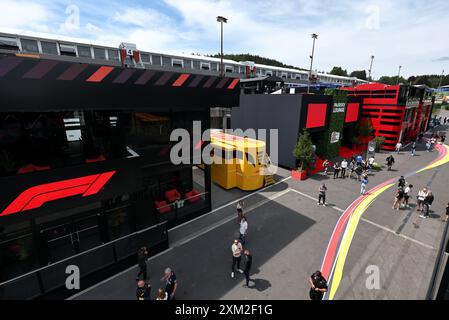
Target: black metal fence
[(45, 280)]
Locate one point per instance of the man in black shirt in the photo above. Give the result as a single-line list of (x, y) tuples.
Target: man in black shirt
[(248, 262), (143, 290), (318, 286), (142, 257), (171, 284), (390, 162), (401, 182)]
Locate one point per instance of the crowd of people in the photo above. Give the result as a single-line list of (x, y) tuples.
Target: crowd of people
[(239, 252), (143, 291), (355, 168)]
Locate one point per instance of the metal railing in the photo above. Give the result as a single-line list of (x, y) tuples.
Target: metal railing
[(46, 279), (441, 264)]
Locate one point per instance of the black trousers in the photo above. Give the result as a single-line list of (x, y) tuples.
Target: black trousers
[(142, 271), (236, 261), (246, 272), (343, 173), (336, 172), (322, 197)]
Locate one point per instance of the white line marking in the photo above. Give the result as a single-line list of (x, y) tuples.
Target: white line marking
[(399, 235), (226, 220), (373, 223), (230, 203)]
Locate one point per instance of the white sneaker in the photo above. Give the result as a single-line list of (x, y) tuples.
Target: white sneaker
[(232, 274), (421, 216), (240, 270)]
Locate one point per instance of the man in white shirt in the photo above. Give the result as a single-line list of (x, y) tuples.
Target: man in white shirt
[(237, 250), (243, 230), (344, 166), (398, 147)]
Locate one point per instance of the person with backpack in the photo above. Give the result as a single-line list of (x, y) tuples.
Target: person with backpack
[(422, 194), (427, 203), (390, 162)]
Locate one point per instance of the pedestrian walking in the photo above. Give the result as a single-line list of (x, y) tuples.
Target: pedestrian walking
[(248, 264), (359, 172), (143, 290), (407, 194), (401, 182), (237, 250), (398, 198), (336, 170), (426, 206), (428, 146), (322, 194), (443, 140), (318, 286), (422, 194), (390, 162), (243, 230), (142, 257), (344, 167), (371, 162), (352, 166), (171, 283), (326, 164), (413, 148), (161, 294), (398, 147), (239, 211), (363, 184)]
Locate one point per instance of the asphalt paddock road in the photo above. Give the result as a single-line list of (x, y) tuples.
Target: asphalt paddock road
[(285, 243)]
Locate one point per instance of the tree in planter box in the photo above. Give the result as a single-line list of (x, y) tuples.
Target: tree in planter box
[(304, 151)]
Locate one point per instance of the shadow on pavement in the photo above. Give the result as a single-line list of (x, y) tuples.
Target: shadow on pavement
[(203, 265)]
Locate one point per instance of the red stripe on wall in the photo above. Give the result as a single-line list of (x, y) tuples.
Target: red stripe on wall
[(233, 84), (100, 74), (180, 81)]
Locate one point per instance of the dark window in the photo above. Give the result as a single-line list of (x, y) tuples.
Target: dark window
[(113, 54), (29, 46), (145, 57), (84, 52), (99, 53), (49, 47), (156, 60)]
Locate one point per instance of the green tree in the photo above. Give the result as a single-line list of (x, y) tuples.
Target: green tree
[(359, 74), (338, 71), (304, 151)]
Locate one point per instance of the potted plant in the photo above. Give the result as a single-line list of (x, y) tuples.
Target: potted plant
[(379, 142), (304, 153)]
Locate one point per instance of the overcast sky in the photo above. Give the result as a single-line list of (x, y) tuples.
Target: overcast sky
[(411, 33)]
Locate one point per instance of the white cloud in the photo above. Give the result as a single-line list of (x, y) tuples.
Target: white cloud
[(405, 32), (24, 15)]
